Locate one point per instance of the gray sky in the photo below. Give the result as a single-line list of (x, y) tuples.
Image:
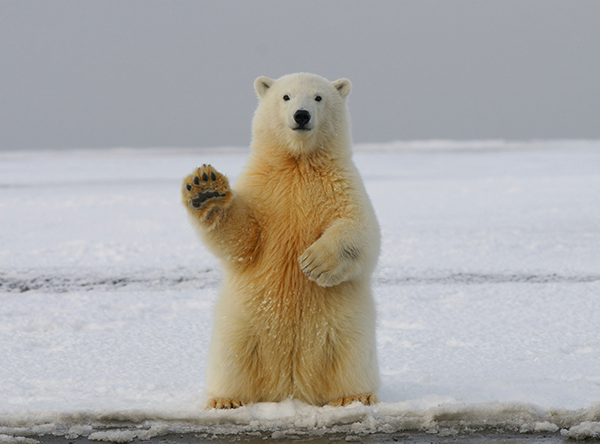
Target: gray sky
[(134, 73)]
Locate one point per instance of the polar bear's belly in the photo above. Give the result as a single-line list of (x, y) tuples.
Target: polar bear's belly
[(289, 319)]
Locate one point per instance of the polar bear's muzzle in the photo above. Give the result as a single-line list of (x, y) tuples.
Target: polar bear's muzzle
[(302, 118)]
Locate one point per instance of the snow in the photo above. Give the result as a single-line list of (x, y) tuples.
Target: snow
[(487, 291), (586, 429)]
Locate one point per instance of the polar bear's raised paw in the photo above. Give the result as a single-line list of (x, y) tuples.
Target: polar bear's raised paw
[(204, 189)]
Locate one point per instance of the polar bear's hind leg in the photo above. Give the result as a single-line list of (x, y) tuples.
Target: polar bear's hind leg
[(369, 399), (224, 403)]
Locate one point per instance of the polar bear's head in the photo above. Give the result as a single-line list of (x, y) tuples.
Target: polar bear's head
[(301, 113)]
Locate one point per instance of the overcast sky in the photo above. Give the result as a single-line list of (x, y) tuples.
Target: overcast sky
[(134, 73)]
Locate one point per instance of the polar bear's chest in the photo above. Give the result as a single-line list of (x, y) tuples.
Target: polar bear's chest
[(299, 212)]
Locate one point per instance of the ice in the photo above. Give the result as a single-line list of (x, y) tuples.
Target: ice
[(121, 436), (487, 293), (586, 429), (8, 439)]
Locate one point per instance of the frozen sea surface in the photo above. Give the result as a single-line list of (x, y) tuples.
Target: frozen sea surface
[(488, 293)]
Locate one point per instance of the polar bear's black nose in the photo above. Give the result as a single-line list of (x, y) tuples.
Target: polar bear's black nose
[(302, 117)]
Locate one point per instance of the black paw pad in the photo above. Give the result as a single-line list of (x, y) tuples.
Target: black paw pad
[(196, 180), (203, 197), (189, 187), (205, 177), (213, 176)]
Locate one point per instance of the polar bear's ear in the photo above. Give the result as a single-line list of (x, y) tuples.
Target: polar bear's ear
[(343, 86), (262, 85)]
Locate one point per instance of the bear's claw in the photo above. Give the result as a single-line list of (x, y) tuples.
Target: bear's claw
[(224, 403), (347, 400)]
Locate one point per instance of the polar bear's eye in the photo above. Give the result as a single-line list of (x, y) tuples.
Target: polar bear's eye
[(318, 98), (286, 97)]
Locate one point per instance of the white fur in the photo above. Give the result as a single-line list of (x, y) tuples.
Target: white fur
[(295, 317)]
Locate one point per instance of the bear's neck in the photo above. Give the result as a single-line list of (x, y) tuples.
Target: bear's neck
[(277, 154)]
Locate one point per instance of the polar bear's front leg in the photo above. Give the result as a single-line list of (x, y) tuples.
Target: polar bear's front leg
[(338, 255), (224, 219)]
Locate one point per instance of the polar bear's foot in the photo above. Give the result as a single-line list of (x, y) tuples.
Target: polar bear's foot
[(204, 189), (347, 400), (224, 403)]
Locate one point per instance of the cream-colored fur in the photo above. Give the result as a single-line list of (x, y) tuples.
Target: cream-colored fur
[(298, 240)]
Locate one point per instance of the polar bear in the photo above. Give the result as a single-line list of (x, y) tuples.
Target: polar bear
[(298, 241)]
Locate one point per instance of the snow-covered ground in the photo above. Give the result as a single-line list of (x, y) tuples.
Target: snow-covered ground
[(488, 292)]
